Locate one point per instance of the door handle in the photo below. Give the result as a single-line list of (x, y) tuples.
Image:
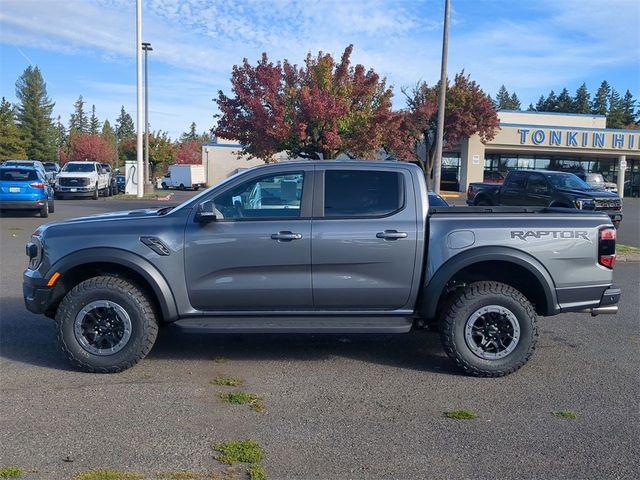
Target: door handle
[(391, 235), (286, 236)]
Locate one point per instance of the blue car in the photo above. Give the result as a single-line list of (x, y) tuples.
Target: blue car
[(25, 188)]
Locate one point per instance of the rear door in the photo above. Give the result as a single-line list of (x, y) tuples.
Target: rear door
[(364, 238), (512, 191), (538, 193)]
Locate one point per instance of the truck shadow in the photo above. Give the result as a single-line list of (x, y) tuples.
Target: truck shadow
[(30, 339)]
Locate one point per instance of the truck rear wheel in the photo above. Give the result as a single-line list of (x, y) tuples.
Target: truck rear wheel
[(106, 324), (489, 329)]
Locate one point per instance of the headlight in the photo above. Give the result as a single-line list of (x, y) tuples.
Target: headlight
[(584, 204)]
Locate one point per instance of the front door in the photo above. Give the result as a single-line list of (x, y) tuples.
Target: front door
[(256, 254), (364, 239)]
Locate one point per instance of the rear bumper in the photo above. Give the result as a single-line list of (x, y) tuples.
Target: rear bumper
[(23, 205), (594, 300)]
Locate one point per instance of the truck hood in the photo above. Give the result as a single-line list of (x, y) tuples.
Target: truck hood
[(105, 217), (589, 193)]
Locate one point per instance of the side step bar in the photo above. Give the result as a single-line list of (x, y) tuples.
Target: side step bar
[(296, 324)]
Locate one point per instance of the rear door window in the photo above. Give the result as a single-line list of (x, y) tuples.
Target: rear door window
[(516, 180), (362, 193)]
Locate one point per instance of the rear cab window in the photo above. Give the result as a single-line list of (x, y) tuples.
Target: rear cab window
[(362, 193)]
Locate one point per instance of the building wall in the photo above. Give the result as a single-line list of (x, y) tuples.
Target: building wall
[(221, 160)]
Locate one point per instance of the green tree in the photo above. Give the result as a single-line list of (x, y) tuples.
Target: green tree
[(34, 116), (124, 125), (628, 104), (191, 134), (600, 105), (162, 151), (61, 139), (78, 121), (514, 102), (11, 145), (502, 98), (94, 123), (581, 100), (540, 105), (531, 108), (565, 102), (550, 103), (615, 116)]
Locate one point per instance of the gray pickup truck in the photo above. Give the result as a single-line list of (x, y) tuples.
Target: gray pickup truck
[(331, 247)]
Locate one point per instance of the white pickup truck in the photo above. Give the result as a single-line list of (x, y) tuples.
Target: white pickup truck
[(82, 179)]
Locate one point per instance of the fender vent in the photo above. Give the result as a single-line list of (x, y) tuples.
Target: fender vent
[(157, 245)]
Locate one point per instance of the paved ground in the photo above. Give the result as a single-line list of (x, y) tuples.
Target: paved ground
[(336, 406)]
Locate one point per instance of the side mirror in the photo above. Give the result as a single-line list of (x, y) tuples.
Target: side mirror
[(206, 212), (103, 170)]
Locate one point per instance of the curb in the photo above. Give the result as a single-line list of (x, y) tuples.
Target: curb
[(628, 257)]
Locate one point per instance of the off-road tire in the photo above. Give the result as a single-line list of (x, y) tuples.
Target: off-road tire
[(96, 193), (44, 210), (460, 308), (144, 324)]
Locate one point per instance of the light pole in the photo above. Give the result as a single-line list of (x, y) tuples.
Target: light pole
[(146, 47), (437, 166), (139, 166)]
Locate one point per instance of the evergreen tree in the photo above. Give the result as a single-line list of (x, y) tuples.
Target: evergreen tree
[(628, 104), (61, 137), (541, 104), (109, 135), (502, 98), (514, 102), (600, 105), (124, 126), (565, 102), (551, 102), (581, 101), (34, 116), (78, 122), (191, 134), (11, 145), (615, 117), (94, 123), (531, 108)]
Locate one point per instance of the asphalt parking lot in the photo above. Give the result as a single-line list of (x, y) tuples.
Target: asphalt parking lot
[(336, 407)]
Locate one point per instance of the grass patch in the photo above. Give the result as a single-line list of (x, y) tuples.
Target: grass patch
[(107, 475), (184, 475), (227, 381), (627, 249), (257, 472), (461, 415), (565, 414), (243, 451), (11, 472), (243, 398)]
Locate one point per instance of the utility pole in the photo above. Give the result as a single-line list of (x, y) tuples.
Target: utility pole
[(139, 166), (146, 46), (437, 166)]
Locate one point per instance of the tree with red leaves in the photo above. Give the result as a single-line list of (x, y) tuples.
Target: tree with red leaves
[(468, 111), (94, 148), (189, 152), (316, 111)]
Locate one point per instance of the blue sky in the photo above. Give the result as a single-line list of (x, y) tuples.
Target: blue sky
[(88, 47)]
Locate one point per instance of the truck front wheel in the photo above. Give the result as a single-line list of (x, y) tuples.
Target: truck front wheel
[(96, 193), (489, 329), (106, 324)]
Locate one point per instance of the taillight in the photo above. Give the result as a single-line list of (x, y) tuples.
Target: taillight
[(37, 185), (607, 247)]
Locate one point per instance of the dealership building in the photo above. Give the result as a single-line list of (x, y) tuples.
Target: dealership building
[(525, 140)]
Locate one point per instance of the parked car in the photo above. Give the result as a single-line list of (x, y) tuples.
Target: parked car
[(597, 181), (546, 188), (359, 251), (28, 163), (121, 182), (82, 179), (25, 188), (492, 177), (113, 183), (51, 169), (183, 177)]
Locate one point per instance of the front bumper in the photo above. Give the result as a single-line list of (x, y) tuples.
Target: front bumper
[(23, 205), (37, 296), (77, 191)]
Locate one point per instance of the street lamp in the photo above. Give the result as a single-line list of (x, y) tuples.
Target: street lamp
[(146, 47), (437, 167)]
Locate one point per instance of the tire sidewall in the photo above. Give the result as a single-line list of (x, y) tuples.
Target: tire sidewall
[(526, 341), (139, 328)]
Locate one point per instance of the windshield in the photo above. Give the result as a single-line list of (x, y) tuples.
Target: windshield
[(79, 167), (50, 167), (568, 181)]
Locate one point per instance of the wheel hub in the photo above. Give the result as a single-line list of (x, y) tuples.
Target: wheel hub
[(492, 332), (102, 327)]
